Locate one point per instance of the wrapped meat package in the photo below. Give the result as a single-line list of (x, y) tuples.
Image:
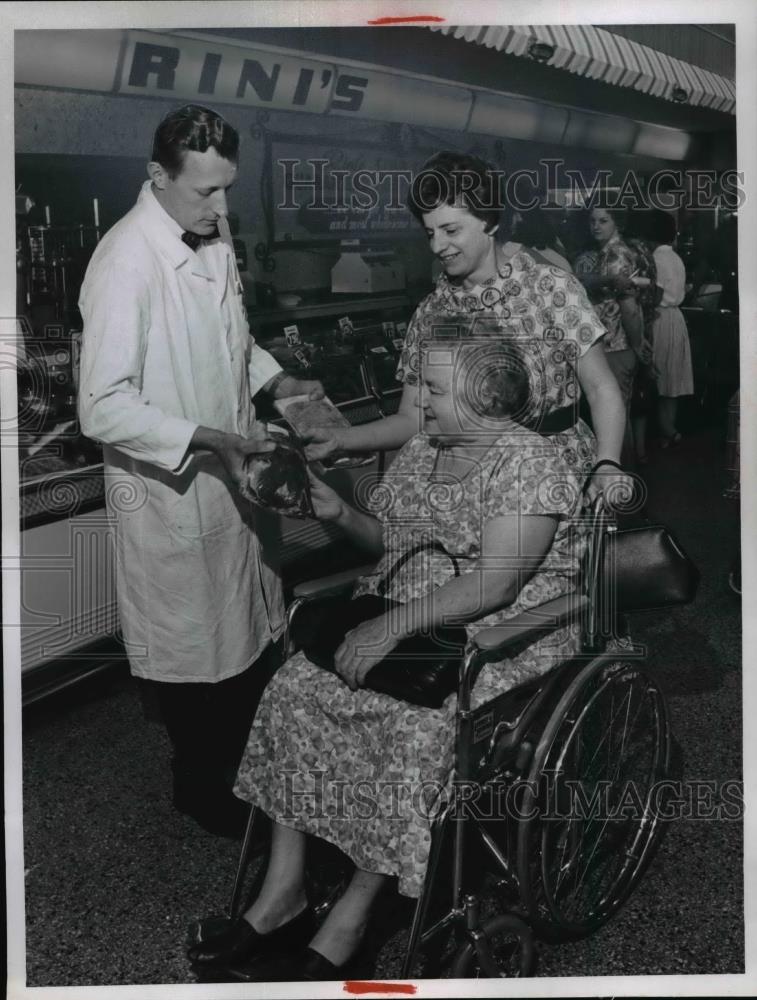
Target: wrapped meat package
[(278, 480), (303, 413)]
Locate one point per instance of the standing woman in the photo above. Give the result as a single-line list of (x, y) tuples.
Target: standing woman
[(672, 351), (608, 277), (539, 307)]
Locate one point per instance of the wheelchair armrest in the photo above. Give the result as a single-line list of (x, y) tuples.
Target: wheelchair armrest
[(331, 584), (532, 624)]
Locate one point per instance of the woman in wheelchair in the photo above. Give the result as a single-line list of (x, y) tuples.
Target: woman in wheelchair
[(330, 757)]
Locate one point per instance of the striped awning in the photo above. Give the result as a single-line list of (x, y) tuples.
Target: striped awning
[(601, 55)]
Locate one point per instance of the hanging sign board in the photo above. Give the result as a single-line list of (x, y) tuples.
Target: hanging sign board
[(175, 66), (204, 70)]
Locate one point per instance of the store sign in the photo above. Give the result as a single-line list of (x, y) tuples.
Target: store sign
[(190, 68), (200, 69), (175, 66), (231, 74)]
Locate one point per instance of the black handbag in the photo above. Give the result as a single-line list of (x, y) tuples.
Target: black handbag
[(422, 669), (649, 568)]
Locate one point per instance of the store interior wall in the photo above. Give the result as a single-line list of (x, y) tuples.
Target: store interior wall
[(72, 147)]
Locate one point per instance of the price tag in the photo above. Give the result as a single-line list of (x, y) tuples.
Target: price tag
[(302, 358), (345, 326), (388, 327), (401, 329), (292, 335), (398, 344)]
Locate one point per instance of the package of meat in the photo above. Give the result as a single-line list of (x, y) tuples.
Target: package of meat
[(303, 414), (278, 480)]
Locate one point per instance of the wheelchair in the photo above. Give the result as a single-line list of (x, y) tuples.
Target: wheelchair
[(553, 814)]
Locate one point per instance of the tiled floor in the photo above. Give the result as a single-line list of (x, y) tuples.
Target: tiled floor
[(114, 875)]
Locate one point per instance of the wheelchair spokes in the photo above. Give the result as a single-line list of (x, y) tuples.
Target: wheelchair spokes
[(592, 825)]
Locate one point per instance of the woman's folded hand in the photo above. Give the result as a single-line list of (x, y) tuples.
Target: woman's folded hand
[(327, 503), (364, 647)]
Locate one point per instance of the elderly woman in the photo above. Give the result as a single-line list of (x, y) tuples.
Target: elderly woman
[(540, 307), (330, 757)]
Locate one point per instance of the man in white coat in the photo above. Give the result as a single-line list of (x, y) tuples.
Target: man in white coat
[(168, 373)]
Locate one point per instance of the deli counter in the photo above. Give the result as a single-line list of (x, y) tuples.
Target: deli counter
[(69, 619)]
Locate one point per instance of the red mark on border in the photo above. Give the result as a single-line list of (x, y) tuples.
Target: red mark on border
[(409, 20), (358, 988)]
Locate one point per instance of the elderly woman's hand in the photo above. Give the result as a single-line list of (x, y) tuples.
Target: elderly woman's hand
[(321, 443), (327, 504), (364, 647)]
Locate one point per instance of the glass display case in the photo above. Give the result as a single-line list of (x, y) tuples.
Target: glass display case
[(351, 344), (60, 470)]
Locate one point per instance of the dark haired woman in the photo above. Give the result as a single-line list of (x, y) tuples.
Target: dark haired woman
[(543, 309), (364, 771)]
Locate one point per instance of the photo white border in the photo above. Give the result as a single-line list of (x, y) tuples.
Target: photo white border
[(335, 13)]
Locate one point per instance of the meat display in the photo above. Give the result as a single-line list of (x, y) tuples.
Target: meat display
[(303, 414)]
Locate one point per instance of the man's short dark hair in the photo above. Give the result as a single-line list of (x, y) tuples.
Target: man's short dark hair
[(192, 128)]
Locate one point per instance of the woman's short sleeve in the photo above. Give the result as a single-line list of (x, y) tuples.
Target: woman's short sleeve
[(408, 369), (574, 316), (530, 478)]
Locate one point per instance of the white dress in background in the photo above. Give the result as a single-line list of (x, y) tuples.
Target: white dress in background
[(672, 351)]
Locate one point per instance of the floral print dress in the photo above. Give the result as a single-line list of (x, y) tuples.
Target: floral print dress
[(618, 258), (367, 772), (544, 313)]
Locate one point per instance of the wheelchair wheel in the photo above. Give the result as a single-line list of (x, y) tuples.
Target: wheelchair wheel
[(507, 951), (590, 813)]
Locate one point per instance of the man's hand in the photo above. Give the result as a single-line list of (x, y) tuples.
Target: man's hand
[(311, 388), (364, 647), (233, 449)]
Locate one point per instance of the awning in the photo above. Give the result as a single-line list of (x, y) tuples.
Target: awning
[(600, 55)]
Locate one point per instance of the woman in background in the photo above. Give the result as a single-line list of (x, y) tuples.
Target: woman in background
[(534, 229), (644, 398), (672, 351), (607, 272)]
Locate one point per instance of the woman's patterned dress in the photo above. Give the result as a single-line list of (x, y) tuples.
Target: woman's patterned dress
[(363, 770)]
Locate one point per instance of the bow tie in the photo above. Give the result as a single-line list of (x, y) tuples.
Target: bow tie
[(192, 240)]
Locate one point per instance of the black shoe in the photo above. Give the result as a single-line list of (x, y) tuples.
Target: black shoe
[(306, 966), (241, 942)]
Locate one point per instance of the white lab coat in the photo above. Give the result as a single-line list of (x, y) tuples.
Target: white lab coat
[(166, 347)]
